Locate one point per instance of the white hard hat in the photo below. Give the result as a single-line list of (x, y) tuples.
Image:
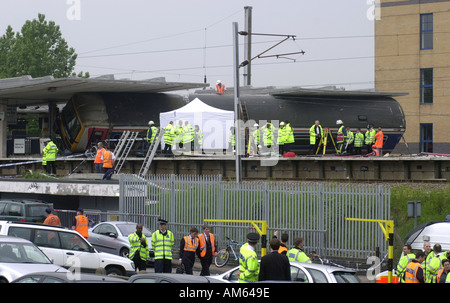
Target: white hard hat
[(151, 122), (256, 124), (339, 122), (218, 81), (282, 123)]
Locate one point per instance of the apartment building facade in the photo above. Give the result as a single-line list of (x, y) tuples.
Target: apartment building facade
[(412, 55)]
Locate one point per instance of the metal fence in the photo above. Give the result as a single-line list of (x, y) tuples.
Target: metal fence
[(314, 211)]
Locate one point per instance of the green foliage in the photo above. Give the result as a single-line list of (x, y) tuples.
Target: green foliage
[(38, 50), (435, 205)]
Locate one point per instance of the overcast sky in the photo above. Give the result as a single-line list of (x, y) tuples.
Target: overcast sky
[(185, 40)]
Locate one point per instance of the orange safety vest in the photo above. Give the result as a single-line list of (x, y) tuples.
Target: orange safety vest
[(220, 89), (379, 140), (411, 272), (82, 225), (282, 249), (107, 159), (52, 220), (189, 245), (98, 156), (202, 241)]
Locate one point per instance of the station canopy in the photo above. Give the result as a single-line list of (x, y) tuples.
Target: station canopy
[(26, 90), (215, 123)]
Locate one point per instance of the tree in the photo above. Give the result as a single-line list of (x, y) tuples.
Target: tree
[(38, 50)]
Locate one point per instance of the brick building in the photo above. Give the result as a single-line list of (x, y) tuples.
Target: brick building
[(412, 55)]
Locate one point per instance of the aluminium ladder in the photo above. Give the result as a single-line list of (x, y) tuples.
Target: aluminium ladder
[(151, 153), (124, 147)]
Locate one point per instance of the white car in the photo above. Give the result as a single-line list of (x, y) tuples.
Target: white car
[(19, 257), (68, 248), (304, 273)]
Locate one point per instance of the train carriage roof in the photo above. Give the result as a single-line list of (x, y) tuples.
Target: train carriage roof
[(27, 90)]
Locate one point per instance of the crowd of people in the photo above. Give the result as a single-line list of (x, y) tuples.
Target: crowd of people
[(264, 139), (427, 266)]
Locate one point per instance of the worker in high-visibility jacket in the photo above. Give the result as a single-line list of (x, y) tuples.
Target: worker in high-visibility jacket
[(151, 132), (358, 142), (188, 136), (436, 263), (162, 244), (369, 138), (169, 135), (289, 137), (350, 142), (98, 161), (208, 249), (443, 275), (108, 159), (81, 223), (50, 151), (220, 88), (414, 271), (378, 146), (232, 139), (188, 248), (403, 263), (315, 136), (341, 137), (248, 260), (281, 138), (296, 253), (178, 135), (267, 133), (198, 139), (254, 140), (139, 249)]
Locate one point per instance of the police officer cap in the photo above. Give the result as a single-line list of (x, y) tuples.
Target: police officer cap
[(162, 221), (253, 237)]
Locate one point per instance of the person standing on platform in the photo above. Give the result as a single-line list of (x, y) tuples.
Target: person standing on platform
[(274, 266), (169, 137), (315, 136), (248, 262), (50, 152), (98, 162), (359, 142), (139, 250), (220, 88)]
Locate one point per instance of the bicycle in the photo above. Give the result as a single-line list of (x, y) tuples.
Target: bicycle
[(223, 256)]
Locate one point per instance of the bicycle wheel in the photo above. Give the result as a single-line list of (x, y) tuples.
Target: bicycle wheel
[(222, 257)]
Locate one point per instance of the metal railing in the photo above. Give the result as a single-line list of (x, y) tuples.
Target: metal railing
[(313, 211)]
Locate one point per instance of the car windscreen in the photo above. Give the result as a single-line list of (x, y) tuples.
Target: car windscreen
[(345, 277), (36, 210), (130, 228)]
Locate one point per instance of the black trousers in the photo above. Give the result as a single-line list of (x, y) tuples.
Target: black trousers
[(139, 263), (206, 262), (188, 262), (163, 266)]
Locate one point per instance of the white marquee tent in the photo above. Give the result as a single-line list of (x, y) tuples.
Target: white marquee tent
[(213, 122)]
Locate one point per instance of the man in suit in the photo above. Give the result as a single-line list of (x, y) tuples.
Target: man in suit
[(274, 266)]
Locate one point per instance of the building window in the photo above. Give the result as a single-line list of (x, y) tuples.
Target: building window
[(426, 31), (426, 138), (426, 86)]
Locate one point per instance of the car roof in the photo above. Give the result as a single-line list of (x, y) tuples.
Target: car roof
[(78, 277), (329, 268), (11, 239), (33, 224), (177, 278), (26, 201)]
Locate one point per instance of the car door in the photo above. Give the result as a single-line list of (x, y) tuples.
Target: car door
[(77, 253), (300, 275)]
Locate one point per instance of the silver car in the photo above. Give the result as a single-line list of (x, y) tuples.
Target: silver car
[(19, 257), (112, 237), (304, 273)]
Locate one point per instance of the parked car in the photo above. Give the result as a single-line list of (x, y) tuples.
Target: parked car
[(171, 278), (68, 248), (304, 273), (19, 257), (57, 277), (112, 237), (25, 210)]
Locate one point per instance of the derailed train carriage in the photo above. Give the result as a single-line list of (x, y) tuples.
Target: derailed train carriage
[(90, 117)]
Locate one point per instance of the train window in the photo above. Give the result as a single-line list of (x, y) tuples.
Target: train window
[(70, 122)]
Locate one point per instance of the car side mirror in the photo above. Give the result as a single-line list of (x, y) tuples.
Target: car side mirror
[(112, 235)]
